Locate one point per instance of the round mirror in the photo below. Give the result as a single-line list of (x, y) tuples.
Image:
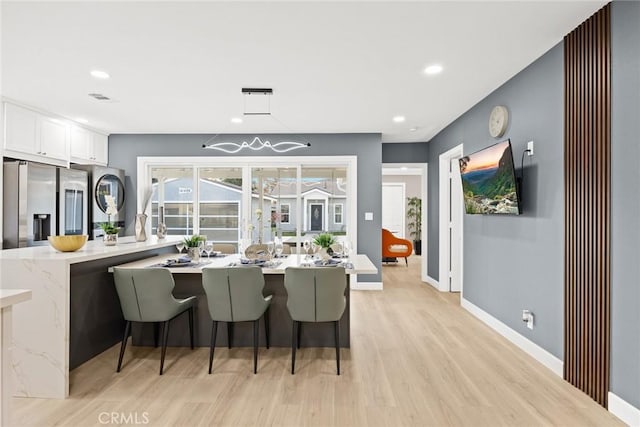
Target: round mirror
[(109, 185)]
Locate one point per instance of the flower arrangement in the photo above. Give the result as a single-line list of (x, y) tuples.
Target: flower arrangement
[(109, 227)]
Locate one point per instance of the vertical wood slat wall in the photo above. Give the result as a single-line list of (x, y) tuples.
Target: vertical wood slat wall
[(587, 151)]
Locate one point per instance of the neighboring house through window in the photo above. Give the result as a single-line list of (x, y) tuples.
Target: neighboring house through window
[(284, 213), (337, 213)]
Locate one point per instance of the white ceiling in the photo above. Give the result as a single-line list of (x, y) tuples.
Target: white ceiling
[(178, 67)]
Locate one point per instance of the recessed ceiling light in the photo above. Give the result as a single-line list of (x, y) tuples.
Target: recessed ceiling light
[(236, 120), (433, 69), (100, 74), (403, 168), (399, 119), (413, 129), (82, 120)]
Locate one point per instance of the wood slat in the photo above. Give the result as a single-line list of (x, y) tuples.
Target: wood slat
[(587, 178)]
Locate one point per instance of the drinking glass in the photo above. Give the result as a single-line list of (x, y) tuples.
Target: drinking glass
[(180, 247), (346, 248), (208, 248), (306, 245), (279, 248), (271, 248)]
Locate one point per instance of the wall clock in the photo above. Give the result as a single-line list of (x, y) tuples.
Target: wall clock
[(498, 121)]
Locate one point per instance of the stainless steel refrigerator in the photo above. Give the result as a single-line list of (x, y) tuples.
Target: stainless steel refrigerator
[(29, 208), (41, 201)]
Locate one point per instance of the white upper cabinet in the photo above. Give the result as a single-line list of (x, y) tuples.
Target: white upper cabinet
[(21, 129), (100, 149), (88, 147), (33, 136), (80, 141), (54, 138)]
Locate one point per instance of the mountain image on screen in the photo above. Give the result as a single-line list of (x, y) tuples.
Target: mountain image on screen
[(488, 181)]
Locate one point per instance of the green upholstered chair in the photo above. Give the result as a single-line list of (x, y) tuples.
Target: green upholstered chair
[(315, 295), (234, 294), (224, 248), (146, 296)]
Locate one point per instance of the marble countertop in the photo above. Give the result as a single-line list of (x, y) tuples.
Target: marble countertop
[(10, 297), (94, 249), (361, 264)]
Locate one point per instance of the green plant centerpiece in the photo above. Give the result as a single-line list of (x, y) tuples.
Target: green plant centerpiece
[(325, 240), (193, 246), (414, 215)]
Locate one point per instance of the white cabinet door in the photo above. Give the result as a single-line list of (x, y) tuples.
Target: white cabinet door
[(54, 138), (100, 153), (81, 141), (21, 130)]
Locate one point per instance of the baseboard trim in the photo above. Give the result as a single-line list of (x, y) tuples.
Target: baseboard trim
[(433, 282), (622, 409), (366, 286), (528, 346)]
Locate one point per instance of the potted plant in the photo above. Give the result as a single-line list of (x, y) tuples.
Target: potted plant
[(414, 215), (325, 240), (110, 233), (193, 246)]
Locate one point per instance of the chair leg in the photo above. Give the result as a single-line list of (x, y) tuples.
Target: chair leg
[(406, 261), (229, 333), (165, 336), (255, 345), (337, 336), (212, 345), (156, 331), (127, 331), (293, 347), (266, 326), (191, 326), (299, 333)]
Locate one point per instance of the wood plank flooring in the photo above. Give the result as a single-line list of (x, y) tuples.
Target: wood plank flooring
[(417, 358)]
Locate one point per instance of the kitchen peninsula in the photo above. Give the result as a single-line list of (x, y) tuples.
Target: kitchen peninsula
[(64, 323)]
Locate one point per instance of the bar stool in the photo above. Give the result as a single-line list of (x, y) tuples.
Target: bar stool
[(315, 295), (234, 294), (146, 296)]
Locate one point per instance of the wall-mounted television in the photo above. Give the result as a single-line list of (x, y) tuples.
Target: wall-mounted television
[(489, 182)]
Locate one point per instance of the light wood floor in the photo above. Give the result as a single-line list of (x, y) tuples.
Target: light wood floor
[(417, 358)]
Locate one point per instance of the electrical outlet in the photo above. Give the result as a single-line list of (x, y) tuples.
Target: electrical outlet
[(527, 316), (530, 148)]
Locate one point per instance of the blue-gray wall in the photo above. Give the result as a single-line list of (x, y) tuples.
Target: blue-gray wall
[(515, 262), (126, 148), (625, 271), (405, 152)]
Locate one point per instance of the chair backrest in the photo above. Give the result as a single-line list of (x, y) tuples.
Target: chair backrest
[(145, 293), (315, 294), (225, 248), (234, 294)]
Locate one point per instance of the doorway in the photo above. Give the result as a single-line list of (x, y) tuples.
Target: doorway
[(451, 222), (418, 174), (316, 216)]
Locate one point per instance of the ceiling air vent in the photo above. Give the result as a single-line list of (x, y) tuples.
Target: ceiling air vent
[(99, 97)]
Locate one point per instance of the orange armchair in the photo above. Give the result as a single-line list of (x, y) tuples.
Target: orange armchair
[(393, 247)]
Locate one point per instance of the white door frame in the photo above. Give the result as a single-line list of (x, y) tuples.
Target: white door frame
[(404, 207), (445, 196)]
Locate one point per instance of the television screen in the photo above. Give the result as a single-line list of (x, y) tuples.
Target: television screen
[(489, 181)]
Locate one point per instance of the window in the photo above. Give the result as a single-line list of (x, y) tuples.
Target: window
[(337, 213), (284, 213)]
